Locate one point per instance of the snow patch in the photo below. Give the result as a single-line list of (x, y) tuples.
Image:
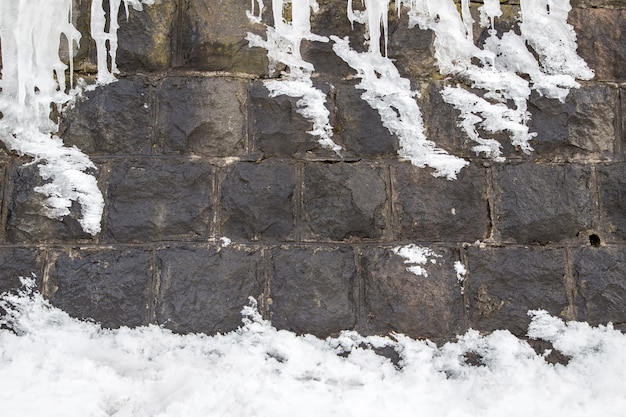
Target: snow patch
[(416, 257)]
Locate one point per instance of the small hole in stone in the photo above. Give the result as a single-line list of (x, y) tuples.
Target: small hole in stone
[(594, 240)]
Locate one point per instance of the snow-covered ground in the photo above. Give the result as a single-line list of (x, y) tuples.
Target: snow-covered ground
[(53, 365)]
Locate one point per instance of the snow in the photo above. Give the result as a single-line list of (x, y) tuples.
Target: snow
[(53, 365), (416, 257)]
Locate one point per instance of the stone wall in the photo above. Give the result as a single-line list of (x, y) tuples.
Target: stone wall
[(191, 150)]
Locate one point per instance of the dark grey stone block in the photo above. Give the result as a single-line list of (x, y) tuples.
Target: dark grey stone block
[(16, 262), (26, 220), (599, 274), (358, 126), (312, 289), (428, 209), (200, 115), (421, 306), (203, 289), (612, 181), (277, 128), (585, 125), (159, 199), (114, 119), (110, 286), (542, 203), (343, 201), (504, 283), (257, 201)]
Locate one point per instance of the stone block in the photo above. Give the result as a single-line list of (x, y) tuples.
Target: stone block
[(16, 262), (358, 127), (583, 126), (114, 119), (343, 202), (277, 128), (429, 305), (600, 41), (257, 201), (429, 209), (3, 187), (504, 283), (199, 115), (203, 289), (211, 36), (411, 49), (599, 274), (26, 219), (158, 199), (145, 37), (110, 286), (312, 289), (612, 183), (543, 203)]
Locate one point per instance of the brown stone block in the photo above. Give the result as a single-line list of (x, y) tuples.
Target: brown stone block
[(203, 289), (504, 283), (428, 305), (312, 289)]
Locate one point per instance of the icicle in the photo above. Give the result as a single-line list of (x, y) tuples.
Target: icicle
[(283, 44)]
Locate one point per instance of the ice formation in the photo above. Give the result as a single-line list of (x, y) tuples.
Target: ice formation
[(505, 68), (34, 80), (283, 45), (416, 257)]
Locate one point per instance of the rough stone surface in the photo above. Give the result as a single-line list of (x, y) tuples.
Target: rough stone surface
[(153, 200), (541, 203), (200, 115), (203, 289), (426, 306), (111, 287), (600, 41), (312, 290), (113, 119), (257, 201), (429, 209), (343, 201), (504, 283), (599, 274), (612, 181), (16, 262), (26, 221), (584, 125)]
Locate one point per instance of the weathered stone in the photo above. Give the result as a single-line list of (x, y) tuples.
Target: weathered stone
[(343, 201), (612, 181), (618, 4), (211, 36), (114, 119), (600, 41), (429, 209), (204, 289), (16, 262), (411, 49), (159, 199), (358, 127), (109, 286), (421, 306), (312, 289), (257, 201), (145, 37), (277, 128), (585, 125), (199, 115), (3, 168), (27, 222), (542, 203), (599, 274), (504, 283)]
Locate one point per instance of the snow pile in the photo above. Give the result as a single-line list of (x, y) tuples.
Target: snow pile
[(34, 81), (283, 45), (52, 365)]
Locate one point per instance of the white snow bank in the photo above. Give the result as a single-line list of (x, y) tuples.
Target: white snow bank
[(53, 365)]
